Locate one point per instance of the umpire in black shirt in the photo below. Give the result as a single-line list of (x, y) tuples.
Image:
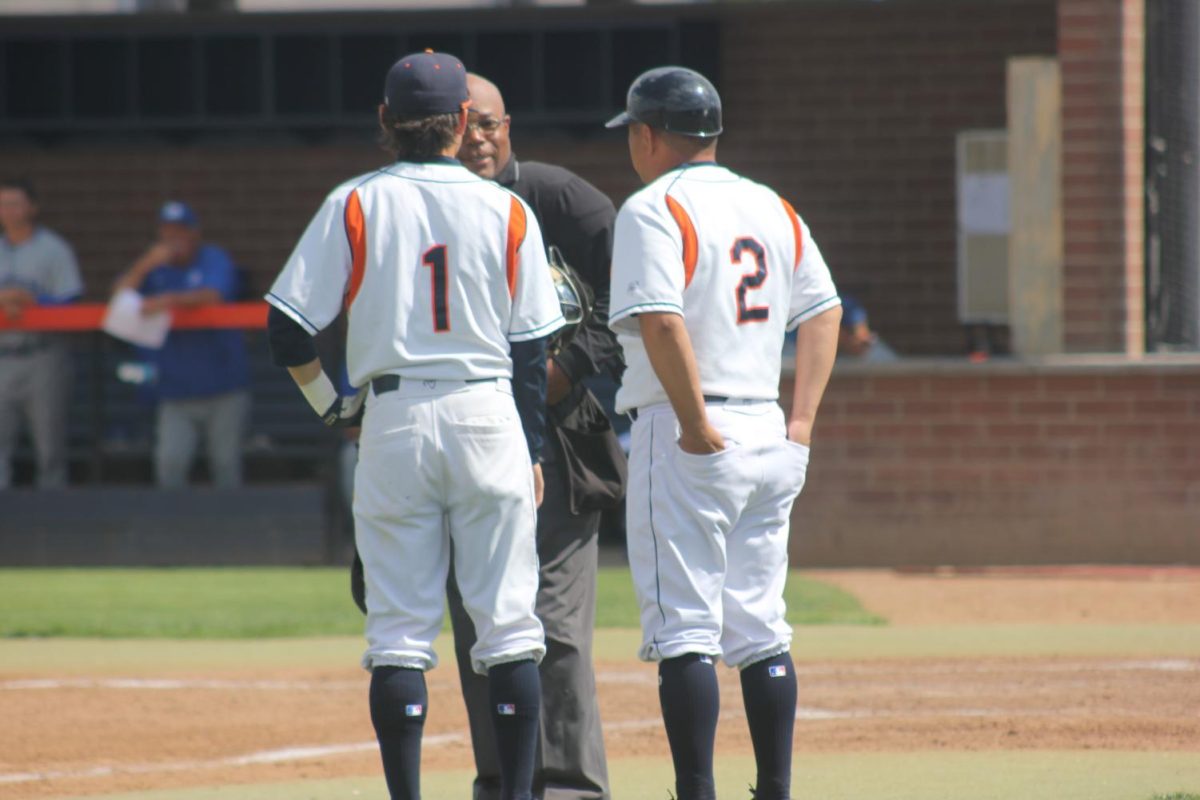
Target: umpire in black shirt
[(584, 472)]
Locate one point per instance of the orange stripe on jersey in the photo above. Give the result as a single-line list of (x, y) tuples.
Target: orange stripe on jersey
[(356, 234), (690, 248), (791, 214), (516, 235)]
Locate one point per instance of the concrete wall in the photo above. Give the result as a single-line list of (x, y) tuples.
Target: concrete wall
[(153, 527)]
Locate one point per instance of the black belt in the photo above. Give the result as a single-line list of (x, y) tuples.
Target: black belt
[(708, 398), (390, 383)]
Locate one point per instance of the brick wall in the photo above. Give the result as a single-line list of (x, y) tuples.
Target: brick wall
[(1101, 51), (928, 464), (849, 109)]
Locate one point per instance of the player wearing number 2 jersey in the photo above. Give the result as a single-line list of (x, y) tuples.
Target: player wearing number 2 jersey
[(709, 270), (449, 301)]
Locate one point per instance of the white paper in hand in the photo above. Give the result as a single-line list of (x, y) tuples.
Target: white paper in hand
[(124, 320)]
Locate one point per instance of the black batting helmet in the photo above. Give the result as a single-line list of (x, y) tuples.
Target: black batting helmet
[(675, 99)]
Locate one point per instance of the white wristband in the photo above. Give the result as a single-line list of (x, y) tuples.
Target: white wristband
[(320, 394)]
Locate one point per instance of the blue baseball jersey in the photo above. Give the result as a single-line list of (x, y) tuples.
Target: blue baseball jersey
[(199, 363)]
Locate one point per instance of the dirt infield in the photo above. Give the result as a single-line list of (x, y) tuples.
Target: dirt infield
[(1066, 595), (74, 734)]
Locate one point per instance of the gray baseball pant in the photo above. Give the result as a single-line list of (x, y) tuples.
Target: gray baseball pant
[(36, 388), (571, 763), (221, 419)]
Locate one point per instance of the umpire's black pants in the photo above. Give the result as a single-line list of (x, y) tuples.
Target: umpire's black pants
[(571, 762)]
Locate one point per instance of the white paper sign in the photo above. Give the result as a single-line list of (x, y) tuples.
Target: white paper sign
[(983, 203), (124, 320)]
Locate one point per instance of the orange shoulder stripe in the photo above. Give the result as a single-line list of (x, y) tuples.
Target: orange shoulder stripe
[(690, 248), (356, 234), (516, 235), (795, 220)]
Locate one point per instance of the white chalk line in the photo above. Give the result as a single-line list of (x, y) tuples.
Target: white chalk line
[(643, 677), (1154, 665), (303, 753), (174, 684), (279, 756)]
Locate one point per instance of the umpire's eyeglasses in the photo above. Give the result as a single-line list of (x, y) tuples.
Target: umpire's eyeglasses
[(484, 125)]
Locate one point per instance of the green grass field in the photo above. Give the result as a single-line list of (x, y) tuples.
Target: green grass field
[(277, 602)]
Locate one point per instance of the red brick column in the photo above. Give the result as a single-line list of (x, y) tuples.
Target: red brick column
[(1101, 46)]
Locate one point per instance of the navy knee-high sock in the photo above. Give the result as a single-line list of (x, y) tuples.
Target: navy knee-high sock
[(691, 701), (515, 695), (399, 701), (769, 692)]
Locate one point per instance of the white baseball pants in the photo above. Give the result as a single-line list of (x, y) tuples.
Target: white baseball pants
[(442, 460), (707, 534)]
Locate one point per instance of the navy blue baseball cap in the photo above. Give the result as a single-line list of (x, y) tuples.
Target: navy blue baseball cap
[(426, 84), (177, 212)]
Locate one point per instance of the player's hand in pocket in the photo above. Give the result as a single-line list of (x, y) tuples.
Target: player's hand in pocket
[(702, 442), (800, 432)]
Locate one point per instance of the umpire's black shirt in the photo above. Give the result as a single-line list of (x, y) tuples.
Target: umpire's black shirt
[(578, 219)]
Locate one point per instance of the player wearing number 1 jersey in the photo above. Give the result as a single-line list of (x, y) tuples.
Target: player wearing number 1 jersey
[(709, 271), (449, 301)]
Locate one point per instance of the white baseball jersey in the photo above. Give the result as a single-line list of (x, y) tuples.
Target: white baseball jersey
[(734, 259), (438, 270)]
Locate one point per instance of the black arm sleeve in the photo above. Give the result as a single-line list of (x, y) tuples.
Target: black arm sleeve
[(290, 344), (529, 392)]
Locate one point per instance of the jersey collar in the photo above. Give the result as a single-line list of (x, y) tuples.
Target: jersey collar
[(454, 162), (510, 174), (691, 165)]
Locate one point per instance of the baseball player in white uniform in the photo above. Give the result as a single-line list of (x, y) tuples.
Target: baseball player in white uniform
[(449, 302), (709, 271)]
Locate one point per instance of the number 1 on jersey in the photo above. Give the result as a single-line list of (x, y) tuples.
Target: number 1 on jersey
[(435, 259), (751, 280)]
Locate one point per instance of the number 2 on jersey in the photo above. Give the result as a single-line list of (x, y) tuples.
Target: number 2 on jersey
[(751, 280), (435, 259)]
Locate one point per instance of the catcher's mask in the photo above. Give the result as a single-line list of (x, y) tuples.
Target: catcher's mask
[(574, 297)]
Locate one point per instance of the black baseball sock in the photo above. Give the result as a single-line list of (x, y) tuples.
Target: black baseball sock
[(691, 701), (399, 701), (515, 695), (769, 692)]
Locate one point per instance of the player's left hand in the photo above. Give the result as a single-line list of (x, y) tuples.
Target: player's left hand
[(558, 385), (157, 303), (702, 442), (800, 432), (539, 485), (346, 411)]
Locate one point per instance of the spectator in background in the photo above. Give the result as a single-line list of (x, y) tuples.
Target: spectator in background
[(856, 340), (202, 375), (37, 267)]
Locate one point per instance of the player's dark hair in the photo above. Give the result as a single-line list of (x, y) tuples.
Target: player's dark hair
[(417, 139), (21, 184)]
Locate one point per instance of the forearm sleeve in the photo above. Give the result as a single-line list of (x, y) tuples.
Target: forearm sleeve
[(291, 346), (529, 391)]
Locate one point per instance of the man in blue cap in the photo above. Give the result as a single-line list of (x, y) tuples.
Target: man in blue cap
[(449, 304), (202, 376)]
